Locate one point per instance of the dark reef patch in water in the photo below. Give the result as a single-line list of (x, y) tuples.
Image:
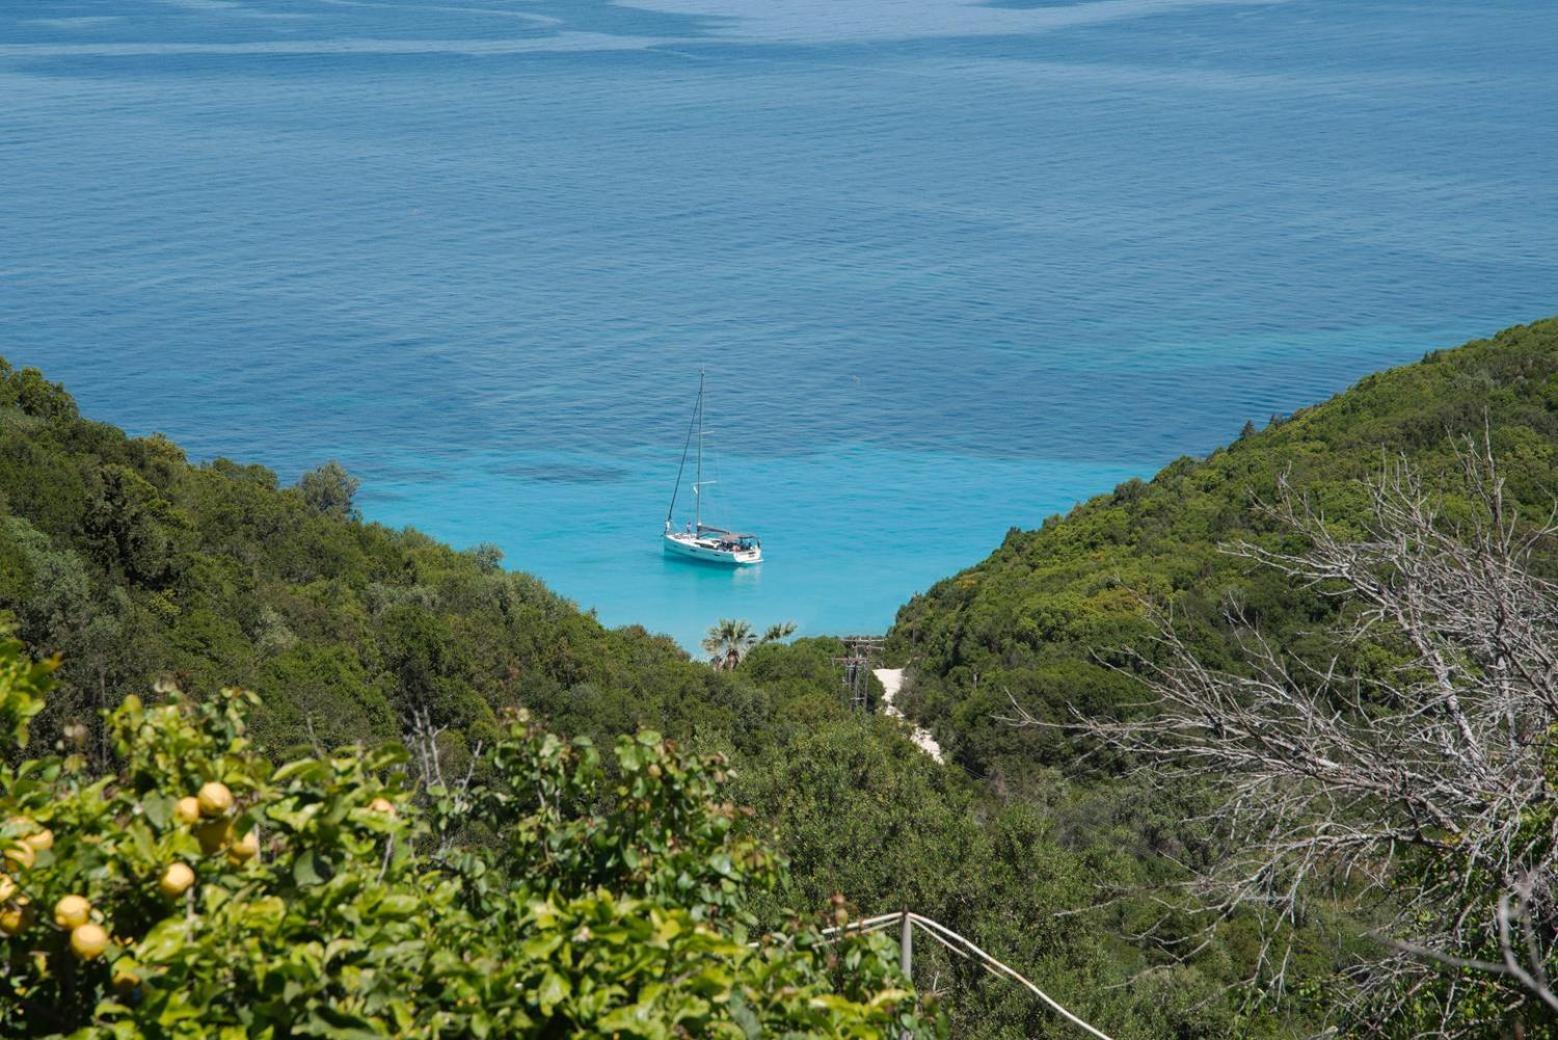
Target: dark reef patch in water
[(559, 473)]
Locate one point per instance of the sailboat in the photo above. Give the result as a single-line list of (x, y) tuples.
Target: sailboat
[(697, 540)]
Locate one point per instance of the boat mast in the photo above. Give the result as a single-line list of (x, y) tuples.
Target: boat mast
[(681, 467), (697, 489)]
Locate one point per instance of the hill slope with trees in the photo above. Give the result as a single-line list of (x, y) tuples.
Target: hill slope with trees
[(1045, 620), (135, 564), (139, 566), (1175, 670)]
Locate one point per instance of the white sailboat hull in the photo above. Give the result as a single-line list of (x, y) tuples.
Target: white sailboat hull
[(708, 550)]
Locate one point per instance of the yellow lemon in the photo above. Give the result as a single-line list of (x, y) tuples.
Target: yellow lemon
[(125, 982), (41, 839), (72, 912), (15, 919), (20, 856), (382, 805), (88, 941), (215, 799), (244, 849), (175, 881), (187, 810), (7, 888)]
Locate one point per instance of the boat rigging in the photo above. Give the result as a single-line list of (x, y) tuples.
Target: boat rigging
[(697, 540)]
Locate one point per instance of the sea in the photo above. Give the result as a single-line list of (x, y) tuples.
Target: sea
[(948, 267)]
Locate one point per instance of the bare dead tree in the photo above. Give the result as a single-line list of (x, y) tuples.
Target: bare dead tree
[(1424, 787), (421, 736)]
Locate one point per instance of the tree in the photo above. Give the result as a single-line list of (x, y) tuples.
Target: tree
[(731, 639), (728, 641), (133, 529), (329, 490), (195, 890), (54, 593), (777, 631), (487, 556), (33, 394), (1413, 769)]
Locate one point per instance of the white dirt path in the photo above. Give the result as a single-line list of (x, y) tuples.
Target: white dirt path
[(892, 681)]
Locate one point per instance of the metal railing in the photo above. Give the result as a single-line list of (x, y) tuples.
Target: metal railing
[(962, 946)]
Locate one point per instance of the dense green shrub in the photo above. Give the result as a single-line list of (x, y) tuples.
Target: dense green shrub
[(1043, 626), (194, 889), (1045, 617)]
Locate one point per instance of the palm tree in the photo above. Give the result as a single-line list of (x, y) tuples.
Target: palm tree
[(728, 641), (776, 632)]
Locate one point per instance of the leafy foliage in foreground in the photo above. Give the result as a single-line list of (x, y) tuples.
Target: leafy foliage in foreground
[(317, 899)]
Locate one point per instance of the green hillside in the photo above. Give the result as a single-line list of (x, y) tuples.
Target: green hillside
[(1045, 616), (137, 565)]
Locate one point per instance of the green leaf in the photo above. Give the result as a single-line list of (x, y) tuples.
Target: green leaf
[(751, 1028), (310, 868), (553, 991), (163, 941), (158, 808)]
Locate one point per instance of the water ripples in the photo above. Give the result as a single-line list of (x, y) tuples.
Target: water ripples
[(948, 281)]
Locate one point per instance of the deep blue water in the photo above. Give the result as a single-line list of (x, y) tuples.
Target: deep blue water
[(952, 267)]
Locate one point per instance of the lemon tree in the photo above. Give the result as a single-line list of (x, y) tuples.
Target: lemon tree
[(199, 890)]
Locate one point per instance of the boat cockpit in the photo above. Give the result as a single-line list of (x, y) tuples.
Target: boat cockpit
[(726, 541)]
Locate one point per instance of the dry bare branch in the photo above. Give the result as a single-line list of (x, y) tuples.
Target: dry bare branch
[(1423, 788)]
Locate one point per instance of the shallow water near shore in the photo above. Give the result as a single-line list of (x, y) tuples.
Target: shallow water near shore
[(951, 267)]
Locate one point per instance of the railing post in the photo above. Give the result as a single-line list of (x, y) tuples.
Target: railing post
[(906, 956)]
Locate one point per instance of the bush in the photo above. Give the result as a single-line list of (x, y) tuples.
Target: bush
[(194, 889)]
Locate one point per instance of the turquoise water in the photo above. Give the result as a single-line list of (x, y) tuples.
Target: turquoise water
[(951, 266)]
